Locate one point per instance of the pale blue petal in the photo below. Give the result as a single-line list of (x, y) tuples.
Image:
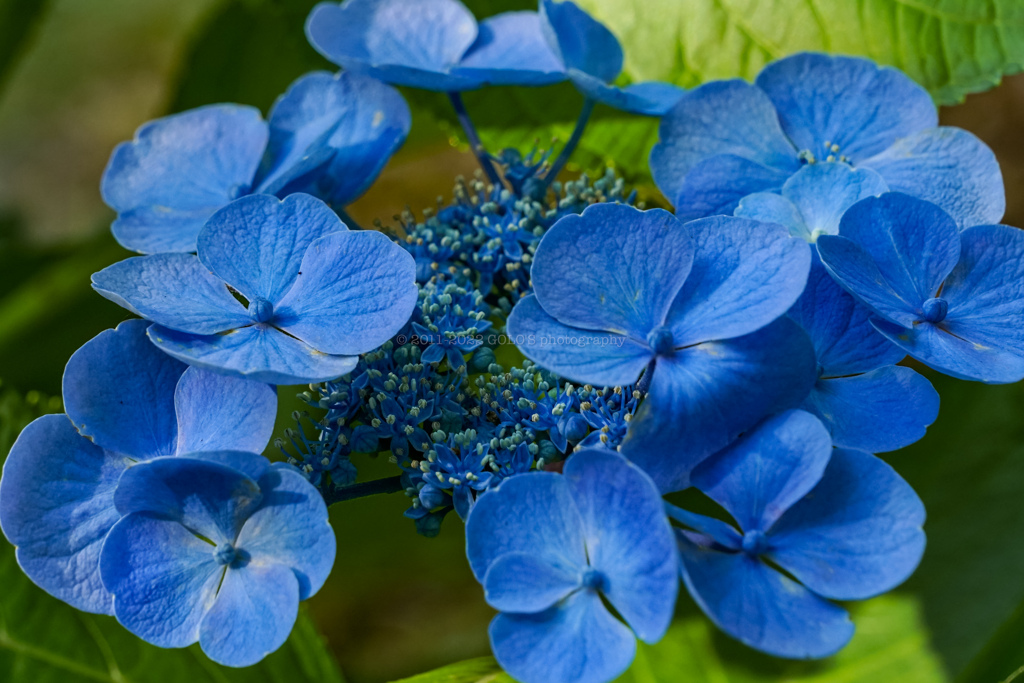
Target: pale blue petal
[(577, 640), (629, 538), (532, 513), (257, 352), (716, 185), (354, 291), (291, 528), (856, 535), (252, 616), (823, 193), (848, 101), (651, 98), (720, 117), (770, 468), (56, 507), (879, 411), (523, 583), (582, 42), (174, 290), (178, 170), (217, 412), (510, 49), (256, 243), (163, 577), (612, 268), (762, 608), (705, 396), (769, 207), (96, 379), (949, 167), (745, 274), (599, 358)]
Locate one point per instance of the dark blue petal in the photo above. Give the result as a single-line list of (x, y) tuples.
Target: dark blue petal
[(56, 507), (163, 578), (879, 411), (760, 607), (252, 616), (949, 167), (745, 274), (354, 291), (857, 533), (524, 583), (257, 352), (256, 243), (178, 170), (582, 42), (510, 49), (629, 539), (648, 99), (612, 268), (577, 640), (100, 374), (721, 117), (600, 358), (705, 396), (217, 412), (846, 101), (770, 468), (716, 185), (175, 290)]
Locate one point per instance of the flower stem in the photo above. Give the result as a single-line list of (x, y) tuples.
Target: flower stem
[(474, 139), (349, 222), (570, 147), (363, 489)]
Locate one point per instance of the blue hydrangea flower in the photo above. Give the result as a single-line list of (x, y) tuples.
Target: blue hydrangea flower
[(618, 290), (433, 44), (592, 57), (866, 401), (841, 522), (460, 471), (548, 548), (127, 402), (953, 300), (328, 135), (727, 139), (219, 549), (316, 294), (451, 318)]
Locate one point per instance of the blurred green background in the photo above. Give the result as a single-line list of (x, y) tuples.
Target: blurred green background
[(78, 76)]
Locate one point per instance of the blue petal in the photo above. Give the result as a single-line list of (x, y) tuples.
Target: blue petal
[(96, 379), (629, 538), (56, 507), (769, 207), (612, 268), (848, 101), (721, 117), (823, 193), (704, 396), (256, 243), (257, 352), (163, 577), (510, 49), (208, 497), (216, 412), (350, 123), (523, 583), (175, 290), (760, 607), (354, 291), (252, 616), (949, 167), (856, 535), (954, 355), (716, 185), (577, 640), (764, 473), (178, 170), (745, 274), (582, 42), (404, 42), (845, 341), (879, 411), (290, 528), (648, 99), (599, 358), (532, 513), (853, 268)]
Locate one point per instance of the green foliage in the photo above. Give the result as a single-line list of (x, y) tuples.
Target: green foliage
[(479, 670), (17, 18)]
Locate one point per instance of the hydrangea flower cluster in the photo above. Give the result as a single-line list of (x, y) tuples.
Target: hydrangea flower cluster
[(751, 345)]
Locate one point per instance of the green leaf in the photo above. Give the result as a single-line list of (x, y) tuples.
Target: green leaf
[(480, 670), (17, 21)]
